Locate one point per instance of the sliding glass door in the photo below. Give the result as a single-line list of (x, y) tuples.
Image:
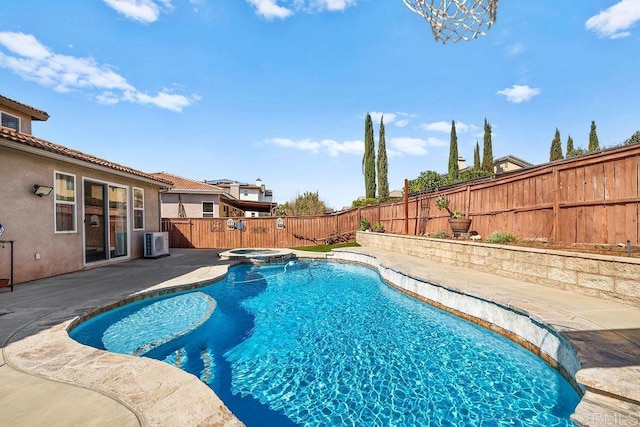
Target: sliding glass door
[(106, 221)]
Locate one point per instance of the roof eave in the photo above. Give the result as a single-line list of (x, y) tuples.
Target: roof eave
[(83, 163)]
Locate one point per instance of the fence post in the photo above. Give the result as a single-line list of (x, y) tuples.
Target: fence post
[(468, 201), (406, 206), (556, 205)]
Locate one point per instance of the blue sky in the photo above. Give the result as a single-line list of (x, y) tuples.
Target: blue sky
[(278, 89)]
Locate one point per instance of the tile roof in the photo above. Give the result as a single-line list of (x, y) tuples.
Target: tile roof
[(34, 112), (513, 159), (49, 147), (180, 183)]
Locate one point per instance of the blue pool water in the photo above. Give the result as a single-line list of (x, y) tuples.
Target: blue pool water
[(327, 344)]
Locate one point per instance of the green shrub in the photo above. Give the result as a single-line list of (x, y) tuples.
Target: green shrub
[(378, 226), (440, 235), (364, 224), (500, 237), (360, 203)]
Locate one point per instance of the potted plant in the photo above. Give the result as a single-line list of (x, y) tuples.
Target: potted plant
[(378, 227), (457, 222), (365, 225)]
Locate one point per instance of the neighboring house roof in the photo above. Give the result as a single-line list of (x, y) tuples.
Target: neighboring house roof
[(186, 185), (248, 205), (224, 181), (24, 108), (9, 137), (512, 159), (228, 185)]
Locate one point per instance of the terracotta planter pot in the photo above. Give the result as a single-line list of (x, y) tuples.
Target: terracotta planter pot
[(459, 225)]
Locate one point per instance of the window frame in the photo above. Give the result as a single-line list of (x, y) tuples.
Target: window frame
[(2, 113), (57, 202), (206, 214), (136, 208)]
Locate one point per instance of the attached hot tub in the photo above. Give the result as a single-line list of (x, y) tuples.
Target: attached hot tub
[(258, 255)]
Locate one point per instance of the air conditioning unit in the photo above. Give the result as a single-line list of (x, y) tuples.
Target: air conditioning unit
[(156, 244)]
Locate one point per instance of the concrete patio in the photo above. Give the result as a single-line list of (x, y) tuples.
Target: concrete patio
[(48, 379)]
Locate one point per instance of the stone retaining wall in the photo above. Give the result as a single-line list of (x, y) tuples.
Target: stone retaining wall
[(609, 277)]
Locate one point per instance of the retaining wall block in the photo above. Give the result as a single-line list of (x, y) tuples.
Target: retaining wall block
[(582, 265), (595, 281), (563, 276)]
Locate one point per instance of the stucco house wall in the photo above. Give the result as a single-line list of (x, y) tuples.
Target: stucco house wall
[(192, 204), (97, 234), (30, 220)]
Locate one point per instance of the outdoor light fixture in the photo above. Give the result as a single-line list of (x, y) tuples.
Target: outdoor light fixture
[(42, 190), (1, 229)]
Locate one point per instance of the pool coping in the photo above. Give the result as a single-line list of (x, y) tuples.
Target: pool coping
[(158, 393)]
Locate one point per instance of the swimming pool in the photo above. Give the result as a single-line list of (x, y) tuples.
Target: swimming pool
[(322, 343)]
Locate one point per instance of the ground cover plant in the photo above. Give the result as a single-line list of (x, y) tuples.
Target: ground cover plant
[(325, 248)]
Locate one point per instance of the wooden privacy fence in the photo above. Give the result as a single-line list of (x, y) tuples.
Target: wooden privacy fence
[(589, 199)]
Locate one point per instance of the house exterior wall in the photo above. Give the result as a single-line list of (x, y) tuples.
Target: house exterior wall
[(192, 204), (29, 220), (505, 167)]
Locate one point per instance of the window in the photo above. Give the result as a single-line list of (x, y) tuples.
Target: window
[(245, 192), (138, 208), (10, 121), (207, 209), (65, 188)]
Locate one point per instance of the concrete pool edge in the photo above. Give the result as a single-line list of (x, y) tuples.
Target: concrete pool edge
[(154, 391)]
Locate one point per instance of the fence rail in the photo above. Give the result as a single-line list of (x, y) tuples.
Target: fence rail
[(590, 199)]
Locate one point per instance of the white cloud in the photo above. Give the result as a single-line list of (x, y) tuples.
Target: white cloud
[(347, 147), (163, 99), (33, 61), (25, 45), (445, 127), (270, 9), (304, 145), (333, 148), (412, 146), (334, 5), (519, 93), (515, 49), (144, 11), (402, 123), (614, 22), (388, 117)]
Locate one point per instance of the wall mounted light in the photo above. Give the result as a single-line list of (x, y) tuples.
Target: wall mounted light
[(42, 190), (1, 229)]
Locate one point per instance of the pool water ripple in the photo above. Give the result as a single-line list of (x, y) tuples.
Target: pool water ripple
[(331, 344)]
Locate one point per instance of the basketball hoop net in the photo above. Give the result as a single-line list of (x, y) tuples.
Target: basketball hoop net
[(455, 20)]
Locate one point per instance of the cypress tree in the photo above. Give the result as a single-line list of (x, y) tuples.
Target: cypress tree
[(555, 153), (594, 144), (453, 154), (383, 181), (487, 153), (369, 160), (570, 149), (476, 157)]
